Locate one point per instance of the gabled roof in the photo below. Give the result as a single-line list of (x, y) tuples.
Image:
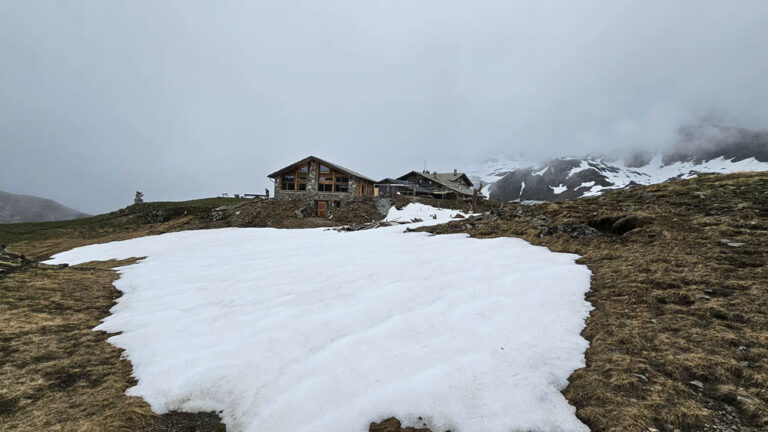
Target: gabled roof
[(324, 162), (453, 177), (447, 180)]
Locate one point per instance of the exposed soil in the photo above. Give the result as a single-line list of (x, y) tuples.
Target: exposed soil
[(679, 334), (678, 337), (59, 375), (41, 240)]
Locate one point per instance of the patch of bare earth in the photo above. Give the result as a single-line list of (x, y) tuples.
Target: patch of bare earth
[(58, 374), (678, 337), (679, 333)]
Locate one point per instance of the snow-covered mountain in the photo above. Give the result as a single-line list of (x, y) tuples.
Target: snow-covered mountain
[(701, 150)]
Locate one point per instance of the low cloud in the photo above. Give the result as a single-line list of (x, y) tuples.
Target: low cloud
[(192, 99)]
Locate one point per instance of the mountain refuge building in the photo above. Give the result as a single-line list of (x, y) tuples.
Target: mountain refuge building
[(451, 185), (321, 184)]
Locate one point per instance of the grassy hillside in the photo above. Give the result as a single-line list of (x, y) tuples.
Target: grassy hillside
[(41, 239), (679, 333), (678, 337)]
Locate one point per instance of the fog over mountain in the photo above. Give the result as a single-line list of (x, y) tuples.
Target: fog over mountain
[(699, 150), (190, 99), (16, 208)]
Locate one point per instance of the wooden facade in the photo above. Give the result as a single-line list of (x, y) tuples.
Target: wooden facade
[(325, 184)]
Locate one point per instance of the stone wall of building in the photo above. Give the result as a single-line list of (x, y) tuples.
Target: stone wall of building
[(311, 195)]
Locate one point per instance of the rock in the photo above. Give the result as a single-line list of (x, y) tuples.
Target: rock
[(539, 220), (731, 243), (579, 230), (458, 216), (742, 348), (299, 214), (63, 265), (697, 383), (642, 377)]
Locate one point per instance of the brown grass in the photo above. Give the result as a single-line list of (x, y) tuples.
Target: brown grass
[(59, 375), (675, 304)]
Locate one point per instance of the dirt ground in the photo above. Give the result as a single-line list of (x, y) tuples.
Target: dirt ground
[(678, 337), (679, 333), (57, 373)]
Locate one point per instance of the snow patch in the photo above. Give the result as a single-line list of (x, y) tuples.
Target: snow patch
[(541, 171), (559, 189), (316, 330), (426, 213)]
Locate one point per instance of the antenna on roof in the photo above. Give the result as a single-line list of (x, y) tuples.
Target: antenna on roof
[(425, 166)]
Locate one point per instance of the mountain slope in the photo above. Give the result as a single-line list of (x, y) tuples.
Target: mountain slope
[(25, 208), (701, 150)]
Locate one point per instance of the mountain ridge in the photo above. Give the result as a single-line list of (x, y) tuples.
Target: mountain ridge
[(18, 208), (700, 150)]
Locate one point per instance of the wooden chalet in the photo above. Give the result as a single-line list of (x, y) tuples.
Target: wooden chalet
[(324, 184)]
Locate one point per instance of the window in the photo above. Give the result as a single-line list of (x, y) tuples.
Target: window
[(337, 204), (325, 181), (329, 180), (301, 177), (289, 182), (342, 184), (295, 179)]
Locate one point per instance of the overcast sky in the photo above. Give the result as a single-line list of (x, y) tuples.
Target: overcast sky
[(187, 99)]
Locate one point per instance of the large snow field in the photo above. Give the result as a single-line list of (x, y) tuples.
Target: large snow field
[(316, 330)]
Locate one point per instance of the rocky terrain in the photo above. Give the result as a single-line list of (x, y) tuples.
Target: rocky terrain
[(678, 337), (25, 208), (700, 150), (679, 333)]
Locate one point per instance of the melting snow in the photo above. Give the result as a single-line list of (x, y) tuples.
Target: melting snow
[(559, 189), (420, 211), (656, 172), (541, 171), (316, 330)]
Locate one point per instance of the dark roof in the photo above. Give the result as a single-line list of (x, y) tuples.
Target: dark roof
[(448, 180), (406, 184), (324, 162), (393, 181)]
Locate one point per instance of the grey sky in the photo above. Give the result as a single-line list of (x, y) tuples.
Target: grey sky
[(186, 99)]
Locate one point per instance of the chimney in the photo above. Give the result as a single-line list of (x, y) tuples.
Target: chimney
[(455, 171)]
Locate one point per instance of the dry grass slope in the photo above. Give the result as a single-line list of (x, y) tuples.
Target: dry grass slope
[(678, 337), (679, 334), (58, 374)]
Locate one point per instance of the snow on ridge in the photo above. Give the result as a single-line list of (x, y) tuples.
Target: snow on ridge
[(316, 330), (559, 189)]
